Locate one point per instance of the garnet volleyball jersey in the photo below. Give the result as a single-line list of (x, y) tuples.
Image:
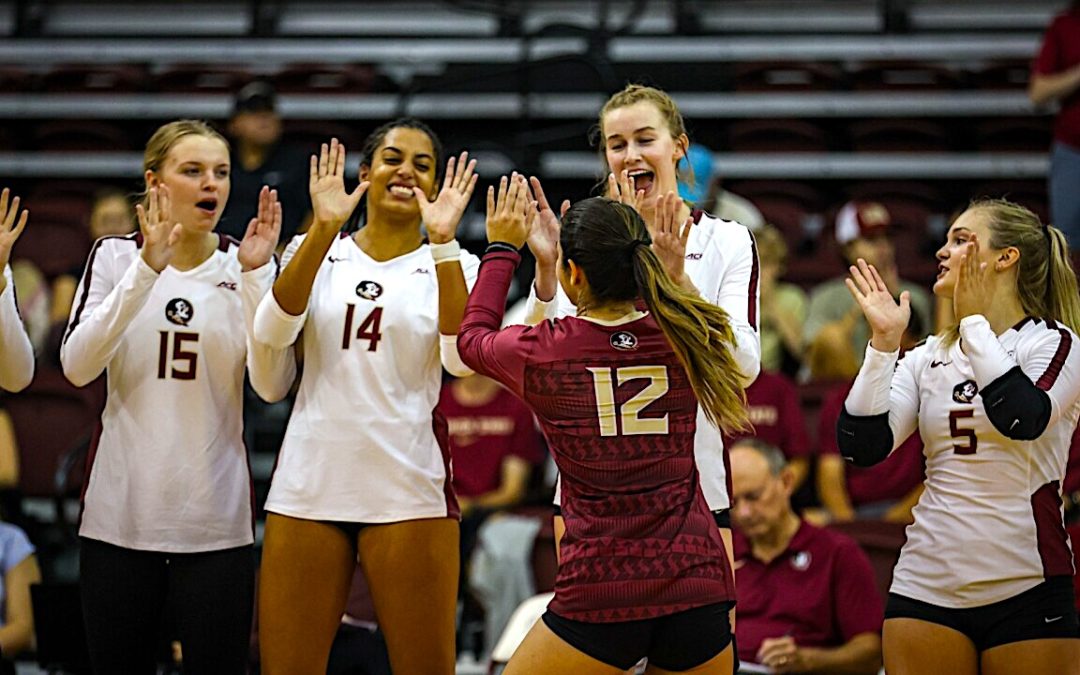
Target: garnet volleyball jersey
[(361, 444), (989, 524), (16, 352), (170, 471), (722, 262), (619, 415)]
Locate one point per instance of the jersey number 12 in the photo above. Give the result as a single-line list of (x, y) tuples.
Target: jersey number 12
[(612, 416)]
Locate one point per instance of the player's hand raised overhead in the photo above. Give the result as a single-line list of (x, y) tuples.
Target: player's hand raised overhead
[(887, 319), (670, 236), (441, 217), (544, 234), (330, 203), (262, 232), (510, 211), (160, 232), (974, 291), (10, 228)]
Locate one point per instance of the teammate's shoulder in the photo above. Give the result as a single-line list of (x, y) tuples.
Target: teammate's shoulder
[(922, 350), (115, 246)]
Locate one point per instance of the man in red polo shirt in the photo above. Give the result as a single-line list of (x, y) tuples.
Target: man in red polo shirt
[(807, 602)]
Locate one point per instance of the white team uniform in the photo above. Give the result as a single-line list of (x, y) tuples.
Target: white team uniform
[(361, 445), (989, 524), (16, 352), (170, 472), (721, 261)]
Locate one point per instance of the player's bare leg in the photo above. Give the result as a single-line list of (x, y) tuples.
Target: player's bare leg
[(914, 647), (1031, 657)]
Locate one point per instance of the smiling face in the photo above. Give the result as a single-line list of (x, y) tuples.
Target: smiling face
[(404, 159), (196, 172), (972, 221), (638, 139)]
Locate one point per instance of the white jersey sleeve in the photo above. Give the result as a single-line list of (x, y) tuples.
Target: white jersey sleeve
[(536, 310), (273, 326), (737, 294), (1049, 361), (106, 301), (16, 352), (448, 353), (884, 385), (271, 370)]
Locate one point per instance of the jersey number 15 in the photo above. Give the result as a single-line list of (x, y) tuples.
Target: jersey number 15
[(167, 364)]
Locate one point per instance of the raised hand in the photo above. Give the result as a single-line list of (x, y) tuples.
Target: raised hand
[(886, 318), (441, 217), (670, 236), (160, 232), (331, 205), (10, 228), (621, 189), (544, 234), (508, 213), (263, 231), (972, 294)]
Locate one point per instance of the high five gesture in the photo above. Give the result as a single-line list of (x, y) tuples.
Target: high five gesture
[(10, 228)]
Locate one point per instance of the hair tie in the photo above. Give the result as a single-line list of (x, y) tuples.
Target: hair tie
[(633, 247)]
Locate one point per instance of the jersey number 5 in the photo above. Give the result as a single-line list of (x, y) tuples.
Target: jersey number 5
[(179, 356), (968, 434), (612, 417), (369, 328)]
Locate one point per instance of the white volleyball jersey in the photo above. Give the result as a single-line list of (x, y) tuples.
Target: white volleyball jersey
[(16, 352), (722, 262), (361, 445), (169, 471), (989, 524)]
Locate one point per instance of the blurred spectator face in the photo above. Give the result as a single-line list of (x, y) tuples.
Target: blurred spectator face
[(638, 139), (262, 128), (111, 215), (760, 500), (772, 254), (862, 232)]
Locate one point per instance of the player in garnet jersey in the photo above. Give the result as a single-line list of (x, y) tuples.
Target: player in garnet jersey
[(167, 505), (643, 571), (642, 137), (364, 466), (983, 584), (16, 352)]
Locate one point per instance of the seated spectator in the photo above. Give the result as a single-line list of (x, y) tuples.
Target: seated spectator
[(773, 404), (20, 571), (111, 214), (807, 601), (835, 333), (885, 491), (698, 186), (260, 157), (783, 306)]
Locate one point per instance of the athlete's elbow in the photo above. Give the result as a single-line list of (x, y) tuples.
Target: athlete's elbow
[(16, 382), (864, 440), (1017, 408)]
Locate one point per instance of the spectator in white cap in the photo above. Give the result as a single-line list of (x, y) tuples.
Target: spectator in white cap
[(835, 333)]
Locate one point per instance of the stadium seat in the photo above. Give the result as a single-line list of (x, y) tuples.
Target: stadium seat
[(899, 135), (201, 78), (81, 136), (787, 76), (1023, 134), (1002, 75), (315, 78), (903, 76), (88, 79), (882, 542), (776, 136), (1031, 194), (54, 247)]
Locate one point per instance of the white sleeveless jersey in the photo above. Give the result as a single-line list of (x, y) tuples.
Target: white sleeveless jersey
[(169, 471), (722, 262), (16, 352), (989, 523), (361, 445)]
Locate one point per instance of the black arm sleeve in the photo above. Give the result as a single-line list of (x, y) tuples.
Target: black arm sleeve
[(864, 440), (1016, 407)]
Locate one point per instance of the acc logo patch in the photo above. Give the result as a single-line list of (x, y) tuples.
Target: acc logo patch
[(965, 392), (624, 340), (179, 311), (369, 290)]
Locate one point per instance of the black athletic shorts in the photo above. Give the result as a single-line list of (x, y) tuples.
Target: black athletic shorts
[(679, 641), (1044, 612)]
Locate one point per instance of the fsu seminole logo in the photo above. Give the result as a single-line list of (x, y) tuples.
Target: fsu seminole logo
[(624, 341), (368, 290), (179, 311), (965, 392)]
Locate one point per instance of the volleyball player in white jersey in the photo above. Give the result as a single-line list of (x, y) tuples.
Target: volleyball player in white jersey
[(168, 499), (643, 137), (364, 467), (16, 352), (983, 584)]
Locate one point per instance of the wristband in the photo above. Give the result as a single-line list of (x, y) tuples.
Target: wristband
[(501, 246), (448, 252)]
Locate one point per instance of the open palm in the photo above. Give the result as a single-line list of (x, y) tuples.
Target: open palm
[(544, 234), (441, 217), (263, 231), (159, 231), (887, 319), (10, 227), (331, 204)]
